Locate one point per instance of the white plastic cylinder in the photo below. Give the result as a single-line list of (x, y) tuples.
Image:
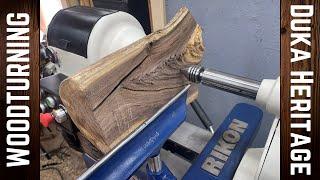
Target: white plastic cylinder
[(110, 33), (268, 96), (113, 32)]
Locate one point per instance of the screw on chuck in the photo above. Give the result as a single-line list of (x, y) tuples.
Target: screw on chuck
[(230, 83), (193, 73)]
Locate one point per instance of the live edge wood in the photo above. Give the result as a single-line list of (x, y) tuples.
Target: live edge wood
[(110, 99)]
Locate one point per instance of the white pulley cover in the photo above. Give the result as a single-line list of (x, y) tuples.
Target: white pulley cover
[(81, 35)]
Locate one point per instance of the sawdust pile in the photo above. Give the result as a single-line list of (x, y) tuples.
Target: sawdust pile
[(64, 163)]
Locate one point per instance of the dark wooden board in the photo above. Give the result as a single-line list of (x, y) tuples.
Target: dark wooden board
[(29, 171), (286, 67)]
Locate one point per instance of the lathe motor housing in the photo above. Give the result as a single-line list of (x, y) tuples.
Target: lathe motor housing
[(83, 35)]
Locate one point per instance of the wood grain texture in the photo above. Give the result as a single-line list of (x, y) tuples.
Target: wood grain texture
[(157, 14), (111, 98), (307, 65), (70, 3), (30, 171), (88, 3)]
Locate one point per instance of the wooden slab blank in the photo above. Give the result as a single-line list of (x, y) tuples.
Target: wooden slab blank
[(110, 99)]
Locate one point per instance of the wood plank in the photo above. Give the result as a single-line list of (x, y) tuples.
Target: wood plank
[(32, 59), (312, 64), (110, 99), (157, 14), (70, 3), (88, 3)]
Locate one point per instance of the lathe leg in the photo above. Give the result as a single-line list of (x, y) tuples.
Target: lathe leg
[(157, 170), (155, 164)]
